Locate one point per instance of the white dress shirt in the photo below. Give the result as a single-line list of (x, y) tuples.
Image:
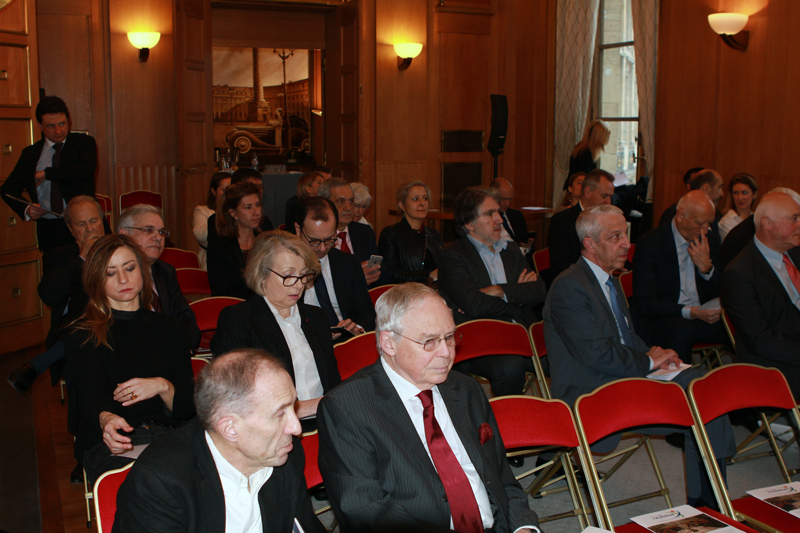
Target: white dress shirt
[(775, 260), (492, 261), (242, 509), (43, 189), (689, 297), (728, 222), (310, 296), (306, 375)]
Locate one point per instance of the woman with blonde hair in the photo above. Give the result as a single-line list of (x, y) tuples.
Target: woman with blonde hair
[(586, 153)]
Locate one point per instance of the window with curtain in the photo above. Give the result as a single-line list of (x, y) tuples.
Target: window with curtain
[(617, 101)]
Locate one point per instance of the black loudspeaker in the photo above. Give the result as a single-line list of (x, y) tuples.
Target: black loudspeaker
[(497, 138)]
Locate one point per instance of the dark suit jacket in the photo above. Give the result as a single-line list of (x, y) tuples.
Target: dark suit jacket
[(376, 470), (172, 300), (351, 291), (74, 176), (61, 282), (175, 486), (226, 267), (767, 322), (251, 324), (656, 278), (583, 344), (736, 241), (462, 274), (563, 242), (365, 244), (519, 227)]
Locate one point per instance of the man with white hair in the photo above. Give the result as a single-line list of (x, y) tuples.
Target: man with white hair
[(591, 340), (407, 445), (238, 466), (761, 290), (674, 274)]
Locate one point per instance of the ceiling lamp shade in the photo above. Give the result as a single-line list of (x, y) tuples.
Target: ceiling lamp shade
[(405, 53), (144, 41), (729, 26)]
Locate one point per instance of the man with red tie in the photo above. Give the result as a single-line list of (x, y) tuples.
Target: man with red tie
[(407, 445), (760, 289), (52, 171)]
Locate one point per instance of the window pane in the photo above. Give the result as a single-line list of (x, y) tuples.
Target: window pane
[(617, 25), (621, 149), (618, 96)]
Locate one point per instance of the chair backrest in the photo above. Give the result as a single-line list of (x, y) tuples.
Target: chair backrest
[(729, 329), (105, 496), (107, 204), (355, 354), (492, 337), (206, 312), (541, 260), (180, 258), (537, 339), (739, 386), (193, 281), (514, 415), (310, 443), (626, 280), (197, 364), (140, 197), (631, 402), (631, 251), (376, 293)]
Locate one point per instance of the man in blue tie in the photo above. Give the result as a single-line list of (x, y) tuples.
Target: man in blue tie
[(341, 289), (591, 340)]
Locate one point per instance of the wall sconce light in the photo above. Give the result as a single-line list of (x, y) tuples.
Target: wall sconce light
[(144, 41), (405, 53), (729, 26)]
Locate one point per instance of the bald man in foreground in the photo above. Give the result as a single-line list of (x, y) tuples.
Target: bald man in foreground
[(761, 290), (674, 274)]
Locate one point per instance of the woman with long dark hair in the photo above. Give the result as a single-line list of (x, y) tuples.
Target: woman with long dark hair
[(216, 193)]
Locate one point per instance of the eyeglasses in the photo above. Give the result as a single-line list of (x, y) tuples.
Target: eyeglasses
[(316, 243), (149, 230), (431, 344), (291, 281)]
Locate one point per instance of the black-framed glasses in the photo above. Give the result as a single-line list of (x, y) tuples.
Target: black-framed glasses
[(316, 243), (431, 345), (291, 281), (149, 230)]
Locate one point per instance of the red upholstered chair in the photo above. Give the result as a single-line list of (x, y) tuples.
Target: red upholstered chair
[(609, 410), (193, 281), (536, 332), (631, 251), (180, 258), (207, 311), (541, 260), (108, 208), (729, 329), (198, 363), (626, 280), (105, 496), (355, 354), (310, 442), (376, 293), (282, 227), (520, 437), (140, 197), (741, 386)]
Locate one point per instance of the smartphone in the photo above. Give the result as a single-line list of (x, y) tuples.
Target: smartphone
[(338, 329), (374, 260)]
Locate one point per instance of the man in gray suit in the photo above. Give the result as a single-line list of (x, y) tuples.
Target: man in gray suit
[(406, 445), (590, 338), (484, 276)]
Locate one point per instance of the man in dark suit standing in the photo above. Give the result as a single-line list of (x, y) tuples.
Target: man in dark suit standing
[(407, 445), (761, 290), (191, 480), (591, 341), (707, 180), (674, 274), (352, 237), (143, 224), (52, 171), (340, 290), (483, 276), (514, 226), (562, 239)]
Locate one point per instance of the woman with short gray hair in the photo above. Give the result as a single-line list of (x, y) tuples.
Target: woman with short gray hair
[(363, 201)]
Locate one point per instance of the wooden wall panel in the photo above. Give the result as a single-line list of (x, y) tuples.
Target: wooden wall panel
[(15, 88), (14, 17), (159, 178), (268, 29), (15, 135), (20, 280), (389, 175)]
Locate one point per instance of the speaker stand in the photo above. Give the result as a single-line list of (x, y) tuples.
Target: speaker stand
[(495, 157)]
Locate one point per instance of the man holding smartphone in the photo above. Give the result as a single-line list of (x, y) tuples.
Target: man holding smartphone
[(341, 289)]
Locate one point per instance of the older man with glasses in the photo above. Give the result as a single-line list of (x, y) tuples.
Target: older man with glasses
[(143, 223)]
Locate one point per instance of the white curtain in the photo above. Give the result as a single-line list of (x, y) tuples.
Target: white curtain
[(645, 44), (576, 22)]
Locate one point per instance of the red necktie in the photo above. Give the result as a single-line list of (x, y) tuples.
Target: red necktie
[(156, 303), (343, 247), (794, 274), (463, 507)]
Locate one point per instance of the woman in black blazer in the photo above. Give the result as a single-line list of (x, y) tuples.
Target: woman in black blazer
[(277, 320), (238, 221), (409, 248)]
